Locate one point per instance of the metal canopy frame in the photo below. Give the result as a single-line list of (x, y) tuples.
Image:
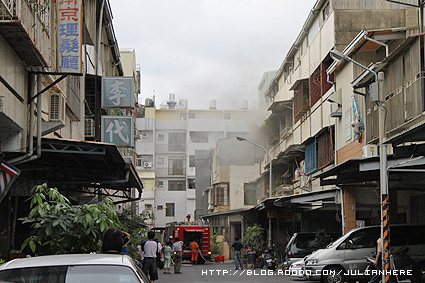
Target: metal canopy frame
[(80, 167)]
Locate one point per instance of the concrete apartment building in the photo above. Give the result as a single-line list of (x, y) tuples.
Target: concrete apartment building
[(170, 142), (50, 110), (314, 115)]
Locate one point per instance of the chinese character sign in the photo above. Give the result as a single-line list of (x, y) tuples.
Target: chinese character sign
[(69, 35), (117, 92), (117, 130)]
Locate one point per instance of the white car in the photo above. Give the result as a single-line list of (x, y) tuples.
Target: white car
[(296, 269), (73, 268)]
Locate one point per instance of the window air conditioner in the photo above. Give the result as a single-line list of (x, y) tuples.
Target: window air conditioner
[(89, 128), (57, 107), (147, 164), (370, 150)]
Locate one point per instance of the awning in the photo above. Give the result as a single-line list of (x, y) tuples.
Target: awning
[(415, 133), (82, 167), (297, 82), (367, 40), (322, 197), (405, 173), (280, 106)]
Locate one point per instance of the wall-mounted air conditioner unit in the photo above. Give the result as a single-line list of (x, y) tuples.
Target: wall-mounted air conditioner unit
[(370, 150), (147, 164), (89, 128), (57, 107), (145, 135)]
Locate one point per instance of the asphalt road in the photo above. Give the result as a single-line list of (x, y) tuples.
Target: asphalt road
[(224, 272)]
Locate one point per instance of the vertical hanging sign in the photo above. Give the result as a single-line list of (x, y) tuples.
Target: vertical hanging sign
[(117, 92), (69, 35)]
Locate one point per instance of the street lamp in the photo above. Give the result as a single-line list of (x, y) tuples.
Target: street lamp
[(269, 238), (383, 178)]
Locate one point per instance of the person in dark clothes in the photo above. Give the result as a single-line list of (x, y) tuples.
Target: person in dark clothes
[(236, 248)]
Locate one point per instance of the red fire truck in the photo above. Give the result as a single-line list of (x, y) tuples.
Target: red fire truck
[(188, 232)]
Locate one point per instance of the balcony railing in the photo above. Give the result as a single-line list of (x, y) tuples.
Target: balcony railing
[(25, 26), (7, 9)]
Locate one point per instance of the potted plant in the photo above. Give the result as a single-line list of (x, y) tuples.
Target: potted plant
[(252, 241)]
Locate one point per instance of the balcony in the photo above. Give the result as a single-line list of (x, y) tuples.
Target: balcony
[(27, 35), (286, 132)]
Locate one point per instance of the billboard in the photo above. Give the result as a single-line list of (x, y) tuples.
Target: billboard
[(69, 36), (118, 130), (117, 92)]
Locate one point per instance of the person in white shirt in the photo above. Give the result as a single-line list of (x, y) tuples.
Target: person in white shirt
[(150, 249), (178, 249)]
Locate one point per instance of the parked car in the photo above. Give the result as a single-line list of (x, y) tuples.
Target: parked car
[(302, 244), (105, 268), (345, 259), (296, 269)]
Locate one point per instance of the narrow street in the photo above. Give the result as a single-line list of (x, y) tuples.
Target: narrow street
[(224, 272)]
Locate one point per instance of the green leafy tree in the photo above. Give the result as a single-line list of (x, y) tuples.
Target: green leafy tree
[(59, 227), (136, 226), (215, 246), (253, 238), (322, 239)]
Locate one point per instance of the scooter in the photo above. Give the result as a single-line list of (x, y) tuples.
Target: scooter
[(270, 259), (401, 261)]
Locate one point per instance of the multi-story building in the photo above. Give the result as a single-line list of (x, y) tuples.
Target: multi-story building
[(53, 56), (305, 132), (169, 140)]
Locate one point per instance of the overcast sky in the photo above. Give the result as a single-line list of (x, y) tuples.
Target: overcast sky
[(207, 49)]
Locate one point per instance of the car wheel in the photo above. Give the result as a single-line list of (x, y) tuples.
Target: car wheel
[(333, 274)]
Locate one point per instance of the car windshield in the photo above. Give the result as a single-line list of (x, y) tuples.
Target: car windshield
[(337, 241), (70, 274)]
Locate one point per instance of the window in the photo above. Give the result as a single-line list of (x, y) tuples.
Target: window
[(310, 157), (221, 195), (301, 98), (176, 185), (226, 116), (176, 165), (191, 115), (198, 137), (160, 160), (182, 116), (250, 196), (139, 161), (191, 160), (177, 142), (325, 12), (148, 206), (169, 209), (324, 149), (160, 183), (191, 183), (348, 128), (160, 136), (159, 207)]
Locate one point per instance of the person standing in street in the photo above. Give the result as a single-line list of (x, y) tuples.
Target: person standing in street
[(194, 251), (236, 248), (168, 251), (150, 248), (178, 250), (378, 262)]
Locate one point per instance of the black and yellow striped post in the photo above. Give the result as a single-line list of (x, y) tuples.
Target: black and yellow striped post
[(386, 239)]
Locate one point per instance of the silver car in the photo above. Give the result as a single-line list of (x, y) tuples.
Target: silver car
[(345, 259), (75, 268)]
